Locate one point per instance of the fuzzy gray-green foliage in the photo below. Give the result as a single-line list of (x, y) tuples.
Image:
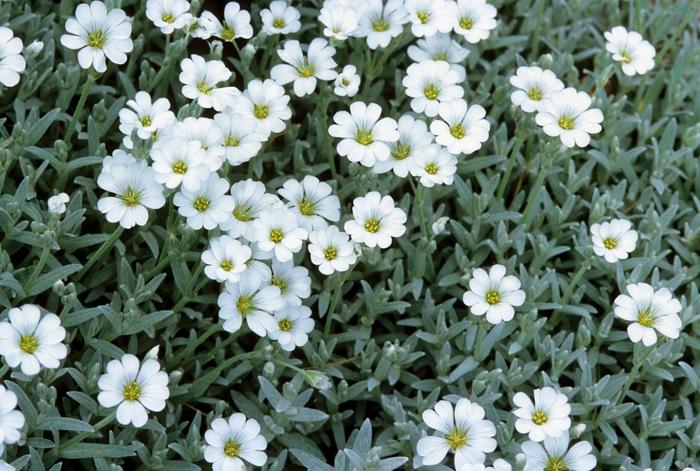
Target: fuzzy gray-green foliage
[(400, 338)]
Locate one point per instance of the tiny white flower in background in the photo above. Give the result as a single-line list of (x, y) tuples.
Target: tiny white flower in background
[(414, 138), (31, 340), (376, 220), (277, 231), (533, 86), (34, 48), (435, 165), (556, 454), (292, 326), (613, 240), (347, 83), (11, 60), (258, 264), (567, 114), (280, 18), (249, 301), (57, 203), (266, 104), (136, 190), (440, 47), (430, 83), (494, 294), (331, 250), (461, 128), (440, 225), (294, 282), (204, 132), (364, 137), (168, 15), (339, 22), (226, 259), (380, 22), (302, 69), (649, 311), (250, 200), (11, 419), (178, 162), (119, 157), (134, 387), (144, 116), (98, 33), (241, 141), (236, 23), (474, 20), (629, 48), (547, 417), (234, 442), (197, 28), (461, 429), (200, 79), (498, 465), (429, 17), (312, 201), (208, 206)]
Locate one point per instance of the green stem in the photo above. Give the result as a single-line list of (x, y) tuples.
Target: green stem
[(37, 269), (92, 76), (336, 295), (585, 266), (101, 252), (511, 163), (538, 28), (95, 428), (633, 374), (191, 346), (533, 197)]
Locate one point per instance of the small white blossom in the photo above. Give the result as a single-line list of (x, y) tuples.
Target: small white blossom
[(178, 162), (266, 104), (277, 231), (200, 79), (461, 128), (414, 138), (241, 140), (331, 249), (302, 69), (429, 17), (649, 311), (347, 83), (568, 115), (312, 201), (280, 18), (225, 259), (376, 220), (57, 203), (249, 301), (430, 83), (613, 240), (204, 132), (556, 454), (629, 48), (11, 419), (440, 47), (292, 327), (533, 86), (293, 281), (339, 22), (12, 63), (250, 201), (236, 23), (209, 206), (234, 442), (547, 417), (434, 166), (380, 22), (168, 15), (494, 294), (144, 116), (474, 20)]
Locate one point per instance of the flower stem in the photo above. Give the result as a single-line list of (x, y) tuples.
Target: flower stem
[(585, 266), (37, 269), (91, 77), (101, 252), (108, 419), (336, 295), (633, 374)]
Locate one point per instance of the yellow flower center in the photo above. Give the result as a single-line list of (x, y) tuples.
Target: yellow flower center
[(131, 197), (364, 137), (232, 449), (535, 94), (440, 56), (28, 343), (400, 151), (306, 70), (276, 235), (226, 265), (201, 204), (609, 243), (231, 141), (330, 253), (456, 439), (245, 304), (180, 167), (285, 325), (261, 111), (228, 33), (493, 297), (566, 123), (96, 39), (626, 57), (307, 207), (204, 87), (556, 463), (344, 82), (278, 23), (132, 391), (242, 213), (423, 16), (466, 23), (146, 121), (431, 91), (372, 225), (431, 169), (281, 283), (167, 18), (457, 131), (645, 318), (539, 417), (380, 25)]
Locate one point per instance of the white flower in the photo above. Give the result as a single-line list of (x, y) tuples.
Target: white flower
[(364, 137), (414, 138), (145, 116), (200, 79), (241, 141), (34, 48), (266, 104), (498, 465), (226, 259), (11, 60), (250, 301), (556, 454), (277, 231), (98, 33), (649, 311), (376, 221), (312, 201), (168, 15), (294, 282), (548, 417), (136, 190), (250, 200), (292, 326), (209, 206), (462, 128), (232, 443), (331, 250), (32, 340), (462, 431), (430, 16), (178, 162), (474, 20), (440, 225), (614, 240), (347, 83), (119, 157), (339, 21), (533, 86), (280, 18), (209, 137), (258, 268), (435, 166), (236, 23), (568, 115), (134, 387), (379, 22), (440, 47), (11, 420), (629, 48), (304, 70), (197, 27), (57, 203), (494, 294), (430, 83)]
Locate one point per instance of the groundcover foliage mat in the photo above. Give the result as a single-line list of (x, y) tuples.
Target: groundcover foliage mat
[(349, 235)]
